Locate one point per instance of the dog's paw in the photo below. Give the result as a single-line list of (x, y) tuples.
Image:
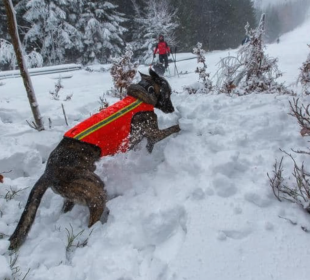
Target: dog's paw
[(150, 145), (177, 128)]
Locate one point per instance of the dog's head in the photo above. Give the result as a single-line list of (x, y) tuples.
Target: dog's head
[(159, 88)]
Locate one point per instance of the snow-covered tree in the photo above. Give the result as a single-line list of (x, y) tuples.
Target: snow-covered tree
[(205, 84), (304, 76), (34, 59), (101, 25), (123, 72), (217, 24), (7, 55), (50, 31), (252, 70), (156, 18)]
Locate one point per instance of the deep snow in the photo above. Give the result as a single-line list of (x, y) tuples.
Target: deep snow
[(199, 207)]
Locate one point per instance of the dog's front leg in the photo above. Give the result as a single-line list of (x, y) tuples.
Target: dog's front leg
[(145, 124), (154, 134)]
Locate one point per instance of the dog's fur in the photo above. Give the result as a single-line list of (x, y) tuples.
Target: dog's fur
[(71, 165)]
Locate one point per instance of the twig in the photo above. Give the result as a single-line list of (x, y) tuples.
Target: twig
[(293, 223), (4, 172), (277, 179), (49, 123), (64, 112), (34, 126)]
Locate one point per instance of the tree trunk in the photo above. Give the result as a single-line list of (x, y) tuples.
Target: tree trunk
[(12, 28)]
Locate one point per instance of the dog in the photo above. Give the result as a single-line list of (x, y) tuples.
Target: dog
[(71, 165)]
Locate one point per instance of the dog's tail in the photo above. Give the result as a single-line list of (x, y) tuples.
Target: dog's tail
[(28, 216)]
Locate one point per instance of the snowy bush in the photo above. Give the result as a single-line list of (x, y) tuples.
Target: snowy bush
[(298, 189), (304, 76), (205, 84), (58, 87), (103, 102), (7, 55), (34, 59), (252, 70), (123, 71), (8, 58)]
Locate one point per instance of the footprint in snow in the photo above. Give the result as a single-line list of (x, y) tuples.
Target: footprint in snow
[(160, 226), (224, 187), (257, 200), (234, 234)]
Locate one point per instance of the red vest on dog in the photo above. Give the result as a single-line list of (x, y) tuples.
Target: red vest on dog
[(109, 129)]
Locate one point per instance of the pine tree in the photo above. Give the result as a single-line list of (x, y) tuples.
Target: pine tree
[(273, 24), (3, 31), (156, 18), (129, 11), (186, 32), (216, 24), (101, 25), (284, 17), (50, 32)]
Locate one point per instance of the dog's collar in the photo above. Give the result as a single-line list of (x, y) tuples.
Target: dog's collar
[(147, 86)]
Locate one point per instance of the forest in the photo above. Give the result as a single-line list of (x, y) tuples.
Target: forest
[(77, 31)]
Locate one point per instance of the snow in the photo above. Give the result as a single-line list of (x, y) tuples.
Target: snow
[(42, 70), (265, 3), (199, 207)]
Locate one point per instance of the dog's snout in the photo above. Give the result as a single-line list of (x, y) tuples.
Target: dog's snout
[(171, 109), (168, 109)]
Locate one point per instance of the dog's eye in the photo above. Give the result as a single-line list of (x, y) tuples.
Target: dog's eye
[(151, 89)]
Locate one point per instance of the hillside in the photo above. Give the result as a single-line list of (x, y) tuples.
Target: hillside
[(199, 207)]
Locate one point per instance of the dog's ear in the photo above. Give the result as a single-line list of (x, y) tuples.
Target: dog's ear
[(143, 76), (137, 91), (154, 75)]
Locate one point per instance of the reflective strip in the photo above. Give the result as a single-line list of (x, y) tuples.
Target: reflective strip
[(108, 120)]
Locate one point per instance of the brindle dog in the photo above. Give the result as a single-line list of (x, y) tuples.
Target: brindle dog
[(71, 165)]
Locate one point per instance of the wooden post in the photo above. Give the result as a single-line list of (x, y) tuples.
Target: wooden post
[(12, 28)]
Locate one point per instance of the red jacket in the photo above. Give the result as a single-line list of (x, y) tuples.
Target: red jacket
[(162, 48), (109, 129)]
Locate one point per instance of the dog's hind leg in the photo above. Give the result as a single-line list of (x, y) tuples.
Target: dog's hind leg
[(96, 203), (84, 188), (96, 210), (68, 205)]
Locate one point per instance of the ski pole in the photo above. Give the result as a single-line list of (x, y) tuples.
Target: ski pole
[(152, 61), (175, 61)]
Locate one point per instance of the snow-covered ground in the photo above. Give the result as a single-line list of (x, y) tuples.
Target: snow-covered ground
[(199, 207)]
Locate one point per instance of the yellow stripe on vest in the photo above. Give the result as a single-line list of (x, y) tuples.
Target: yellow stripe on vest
[(108, 120)]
